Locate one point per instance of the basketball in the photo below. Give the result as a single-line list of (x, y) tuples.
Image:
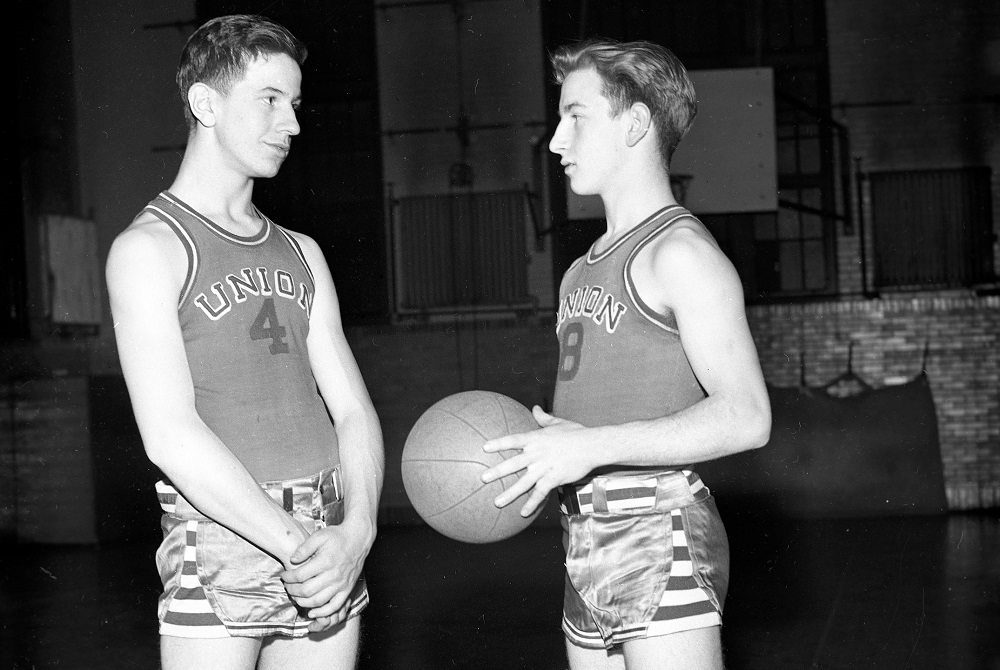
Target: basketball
[(443, 460)]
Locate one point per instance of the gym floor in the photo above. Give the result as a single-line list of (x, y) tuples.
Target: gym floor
[(915, 593)]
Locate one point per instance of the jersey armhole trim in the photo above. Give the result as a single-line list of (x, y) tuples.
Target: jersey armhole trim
[(664, 322), (297, 248), (189, 249)]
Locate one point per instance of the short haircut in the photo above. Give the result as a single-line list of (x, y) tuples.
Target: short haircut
[(637, 72), (217, 54)]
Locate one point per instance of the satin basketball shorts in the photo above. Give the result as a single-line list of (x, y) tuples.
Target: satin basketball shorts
[(646, 555), (218, 585)]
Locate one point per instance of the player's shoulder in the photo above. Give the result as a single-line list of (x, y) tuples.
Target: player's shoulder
[(682, 263), (309, 247), (147, 242), (146, 228), (301, 239), (685, 241), (311, 253)]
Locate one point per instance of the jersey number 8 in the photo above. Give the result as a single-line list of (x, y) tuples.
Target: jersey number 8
[(570, 351)]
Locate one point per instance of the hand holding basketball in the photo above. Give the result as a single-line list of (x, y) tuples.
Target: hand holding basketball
[(443, 460), (555, 455)]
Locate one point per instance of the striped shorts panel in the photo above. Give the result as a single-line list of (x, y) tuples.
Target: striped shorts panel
[(188, 613), (643, 571), (218, 585)]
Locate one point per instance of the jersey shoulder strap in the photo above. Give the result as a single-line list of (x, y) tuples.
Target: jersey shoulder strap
[(166, 211)]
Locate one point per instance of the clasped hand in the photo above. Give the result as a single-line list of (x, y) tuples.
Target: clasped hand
[(322, 574), (553, 455)]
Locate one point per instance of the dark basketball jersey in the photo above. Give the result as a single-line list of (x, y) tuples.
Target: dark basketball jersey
[(619, 360), (244, 314)]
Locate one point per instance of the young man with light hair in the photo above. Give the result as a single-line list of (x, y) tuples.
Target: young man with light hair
[(657, 372)]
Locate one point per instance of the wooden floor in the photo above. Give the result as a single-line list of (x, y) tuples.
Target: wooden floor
[(914, 593)]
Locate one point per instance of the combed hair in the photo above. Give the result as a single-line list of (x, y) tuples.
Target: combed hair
[(637, 72), (217, 54)]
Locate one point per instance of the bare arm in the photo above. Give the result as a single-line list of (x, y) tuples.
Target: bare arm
[(358, 430), (690, 275), (332, 559), (145, 270), (687, 273)]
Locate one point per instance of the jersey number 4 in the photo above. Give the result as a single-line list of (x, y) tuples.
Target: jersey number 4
[(266, 327), (570, 350)]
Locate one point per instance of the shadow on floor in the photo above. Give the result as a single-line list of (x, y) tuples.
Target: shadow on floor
[(914, 593)]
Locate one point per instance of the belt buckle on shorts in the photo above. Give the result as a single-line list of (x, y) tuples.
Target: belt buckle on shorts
[(331, 494)]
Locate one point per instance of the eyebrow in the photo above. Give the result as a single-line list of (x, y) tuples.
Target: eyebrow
[(567, 108)]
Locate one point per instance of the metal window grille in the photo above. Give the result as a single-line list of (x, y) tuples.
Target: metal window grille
[(932, 228), (460, 252)]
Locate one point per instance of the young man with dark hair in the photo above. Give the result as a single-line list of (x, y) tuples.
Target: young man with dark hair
[(657, 372), (245, 391)]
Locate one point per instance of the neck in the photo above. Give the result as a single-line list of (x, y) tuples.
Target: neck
[(634, 200), (207, 185)]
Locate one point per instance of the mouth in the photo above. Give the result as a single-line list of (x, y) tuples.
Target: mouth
[(282, 149)]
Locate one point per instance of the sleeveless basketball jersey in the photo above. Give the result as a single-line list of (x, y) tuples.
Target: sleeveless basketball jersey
[(244, 315), (619, 360)]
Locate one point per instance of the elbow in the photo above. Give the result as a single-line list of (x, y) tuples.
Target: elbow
[(751, 422), (160, 445), (757, 427), (156, 452), (761, 436)]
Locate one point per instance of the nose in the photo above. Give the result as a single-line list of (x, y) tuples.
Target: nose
[(558, 142), (290, 124)]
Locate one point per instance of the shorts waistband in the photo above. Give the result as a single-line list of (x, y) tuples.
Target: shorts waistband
[(289, 493), (656, 492)]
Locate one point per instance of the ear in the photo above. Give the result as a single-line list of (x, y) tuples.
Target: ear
[(201, 102), (639, 119)]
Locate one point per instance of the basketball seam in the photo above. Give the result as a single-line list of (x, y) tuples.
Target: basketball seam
[(478, 432), (442, 460), (503, 487), (456, 416), (457, 503), (495, 522), (503, 413)]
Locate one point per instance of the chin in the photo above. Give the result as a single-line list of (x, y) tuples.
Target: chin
[(580, 186), (268, 173), (582, 190)]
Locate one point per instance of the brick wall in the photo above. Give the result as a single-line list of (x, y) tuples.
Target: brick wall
[(46, 473), (960, 334)]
